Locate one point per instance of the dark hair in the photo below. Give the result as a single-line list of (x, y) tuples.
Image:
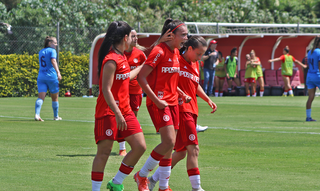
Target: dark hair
[(193, 41), (47, 40), (315, 43), (220, 53), (234, 50), (286, 49), (116, 31), (169, 24)]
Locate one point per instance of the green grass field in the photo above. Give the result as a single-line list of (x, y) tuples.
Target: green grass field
[(252, 144)]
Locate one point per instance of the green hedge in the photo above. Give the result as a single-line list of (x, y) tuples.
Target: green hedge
[(18, 74)]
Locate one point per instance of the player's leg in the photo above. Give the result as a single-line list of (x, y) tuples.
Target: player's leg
[(54, 91), (286, 87), (311, 93), (229, 80), (253, 89), (42, 89), (290, 92), (261, 82), (192, 166), (206, 75), (211, 81), (237, 81), (221, 82), (246, 85), (104, 148)]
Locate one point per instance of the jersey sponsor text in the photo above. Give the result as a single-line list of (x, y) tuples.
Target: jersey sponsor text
[(122, 76)]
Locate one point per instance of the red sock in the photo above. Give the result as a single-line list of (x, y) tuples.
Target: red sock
[(97, 176)]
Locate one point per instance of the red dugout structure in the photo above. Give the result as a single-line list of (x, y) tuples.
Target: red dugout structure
[(267, 45)]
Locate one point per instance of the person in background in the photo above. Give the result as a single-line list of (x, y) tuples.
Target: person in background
[(257, 64), (230, 66), (114, 118), (287, 69), (135, 58), (313, 76), (220, 76), (250, 76), (210, 59), (48, 78)]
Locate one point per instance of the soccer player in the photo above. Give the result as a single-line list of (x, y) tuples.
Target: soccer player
[(230, 66), (287, 69), (48, 78), (114, 118), (257, 64), (220, 76), (187, 140), (135, 58), (159, 80), (313, 76), (250, 76)]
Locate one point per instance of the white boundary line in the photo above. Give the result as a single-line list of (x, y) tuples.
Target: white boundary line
[(222, 128)]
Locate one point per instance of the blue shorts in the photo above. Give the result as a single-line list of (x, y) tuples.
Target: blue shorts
[(313, 81), (44, 85)]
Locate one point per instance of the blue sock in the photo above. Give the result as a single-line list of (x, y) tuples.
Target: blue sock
[(39, 103), (55, 107), (308, 111)]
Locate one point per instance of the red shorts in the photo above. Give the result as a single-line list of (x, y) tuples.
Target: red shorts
[(164, 117), (221, 78), (250, 80), (135, 101), (187, 133), (286, 76), (106, 127)]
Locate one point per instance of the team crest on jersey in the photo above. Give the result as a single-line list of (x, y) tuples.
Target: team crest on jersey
[(192, 137), (180, 101), (135, 60), (160, 94), (166, 118), (109, 132)]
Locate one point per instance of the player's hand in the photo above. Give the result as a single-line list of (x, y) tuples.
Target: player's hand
[(186, 99), (166, 36), (269, 61), (162, 104), (304, 66), (59, 76), (212, 105), (121, 123), (235, 76), (227, 75)]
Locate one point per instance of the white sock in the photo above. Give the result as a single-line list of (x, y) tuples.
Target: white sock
[(122, 145), (195, 181), (221, 94), (119, 177), (290, 92), (261, 93), (285, 93), (255, 94), (148, 166), (155, 176), (96, 185), (216, 94), (164, 174)]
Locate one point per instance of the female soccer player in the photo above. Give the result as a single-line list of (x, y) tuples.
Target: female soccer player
[(114, 118), (135, 58), (257, 64), (220, 76), (48, 78), (313, 76), (159, 80), (187, 140), (230, 66), (287, 69), (250, 76)]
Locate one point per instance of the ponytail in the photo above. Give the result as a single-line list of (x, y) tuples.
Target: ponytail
[(171, 24), (315, 43), (116, 31)]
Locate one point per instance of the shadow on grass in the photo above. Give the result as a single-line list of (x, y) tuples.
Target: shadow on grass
[(92, 155), (286, 121)]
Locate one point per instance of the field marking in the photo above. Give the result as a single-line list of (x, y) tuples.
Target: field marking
[(222, 128)]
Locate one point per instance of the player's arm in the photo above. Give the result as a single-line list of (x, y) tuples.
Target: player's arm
[(302, 65), (135, 72), (107, 80), (142, 80), (217, 62), (184, 96), (274, 60), (55, 66), (204, 96)]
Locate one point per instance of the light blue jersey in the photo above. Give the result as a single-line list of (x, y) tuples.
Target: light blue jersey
[(46, 71), (313, 76)]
